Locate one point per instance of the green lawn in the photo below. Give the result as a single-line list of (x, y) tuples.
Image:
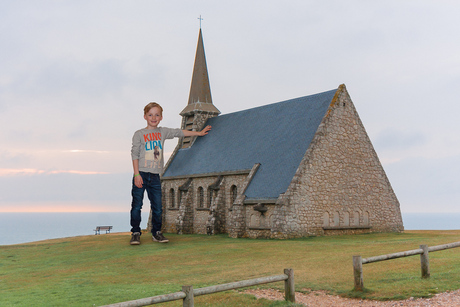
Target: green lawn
[(105, 269)]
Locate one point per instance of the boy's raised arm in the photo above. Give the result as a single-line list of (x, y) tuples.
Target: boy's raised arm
[(197, 133)]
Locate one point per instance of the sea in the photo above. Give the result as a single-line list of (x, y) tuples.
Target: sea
[(21, 227), (16, 228)]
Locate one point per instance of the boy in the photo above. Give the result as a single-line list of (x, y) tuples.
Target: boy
[(147, 156)]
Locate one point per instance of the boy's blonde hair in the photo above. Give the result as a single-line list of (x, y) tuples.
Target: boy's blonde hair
[(153, 105)]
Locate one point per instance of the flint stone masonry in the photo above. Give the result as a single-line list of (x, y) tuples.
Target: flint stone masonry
[(340, 187), (213, 217), (340, 178)]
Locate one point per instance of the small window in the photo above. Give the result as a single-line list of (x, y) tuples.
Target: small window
[(326, 219), (253, 222), (210, 197), (171, 198), (200, 197), (336, 218), (366, 218), (356, 218), (233, 193), (181, 196)]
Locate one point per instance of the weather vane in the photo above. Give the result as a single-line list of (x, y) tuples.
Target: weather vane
[(200, 20)]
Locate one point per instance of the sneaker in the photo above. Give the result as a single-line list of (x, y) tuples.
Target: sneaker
[(159, 237), (135, 238)]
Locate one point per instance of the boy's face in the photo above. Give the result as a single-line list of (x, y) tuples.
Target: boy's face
[(153, 117)]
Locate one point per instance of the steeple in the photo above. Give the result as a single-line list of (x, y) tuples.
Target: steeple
[(200, 91), (200, 106)]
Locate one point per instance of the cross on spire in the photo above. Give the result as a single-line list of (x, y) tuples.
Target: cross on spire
[(200, 20)]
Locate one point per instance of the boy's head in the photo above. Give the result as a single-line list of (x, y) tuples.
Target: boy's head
[(153, 114), (152, 105)]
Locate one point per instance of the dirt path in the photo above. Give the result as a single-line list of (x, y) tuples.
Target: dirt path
[(322, 299)]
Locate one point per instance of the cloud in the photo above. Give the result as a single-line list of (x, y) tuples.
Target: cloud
[(73, 160), (87, 151), (32, 186), (394, 139), (4, 172), (25, 171), (87, 79), (66, 206), (10, 159), (426, 184)]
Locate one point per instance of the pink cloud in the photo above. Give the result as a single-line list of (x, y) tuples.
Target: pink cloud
[(31, 171)]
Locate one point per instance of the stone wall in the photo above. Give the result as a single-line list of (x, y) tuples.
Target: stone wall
[(339, 183), (259, 220), (198, 120), (219, 209)]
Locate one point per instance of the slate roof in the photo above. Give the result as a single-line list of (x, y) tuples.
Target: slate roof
[(275, 135)]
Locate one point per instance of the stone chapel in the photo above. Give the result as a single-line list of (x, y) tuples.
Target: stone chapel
[(313, 173)]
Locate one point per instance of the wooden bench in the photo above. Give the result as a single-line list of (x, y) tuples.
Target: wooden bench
[(99, 228)]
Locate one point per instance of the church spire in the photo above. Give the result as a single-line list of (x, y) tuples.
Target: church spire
[(200, 106), (200, 91)]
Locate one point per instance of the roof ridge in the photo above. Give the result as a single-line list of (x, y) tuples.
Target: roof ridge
[(280, 102)]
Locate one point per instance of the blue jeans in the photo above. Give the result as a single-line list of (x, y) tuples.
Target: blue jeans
[(153, 186)]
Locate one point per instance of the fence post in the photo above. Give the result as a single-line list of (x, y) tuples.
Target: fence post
[(425, 262), (358, 273), (188, 300), (289, 287)]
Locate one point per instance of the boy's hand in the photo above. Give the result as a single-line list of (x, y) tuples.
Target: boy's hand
[(197, 133), (204, 131), (138, 182)]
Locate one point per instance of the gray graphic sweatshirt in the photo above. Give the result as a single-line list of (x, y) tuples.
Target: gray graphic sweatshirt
[(148, 147)]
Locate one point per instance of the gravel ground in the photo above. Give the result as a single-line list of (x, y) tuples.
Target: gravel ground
[(321, 299)]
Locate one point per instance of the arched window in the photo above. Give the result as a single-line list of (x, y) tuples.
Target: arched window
[(356, 218), (233, 194), (171, 198), (366, 218), (326, 219), (200, 197), (336, 218), (253, 221), (210, 196)]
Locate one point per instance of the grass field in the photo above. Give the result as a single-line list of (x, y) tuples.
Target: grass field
[(105, 269)]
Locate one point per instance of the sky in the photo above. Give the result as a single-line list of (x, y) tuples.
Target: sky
[(75, 76)]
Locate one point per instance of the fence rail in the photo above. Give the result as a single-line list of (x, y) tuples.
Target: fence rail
[(188, 293), (422, 251)]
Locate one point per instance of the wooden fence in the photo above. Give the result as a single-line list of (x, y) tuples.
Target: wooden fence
[(188, 293), (422, 251)]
